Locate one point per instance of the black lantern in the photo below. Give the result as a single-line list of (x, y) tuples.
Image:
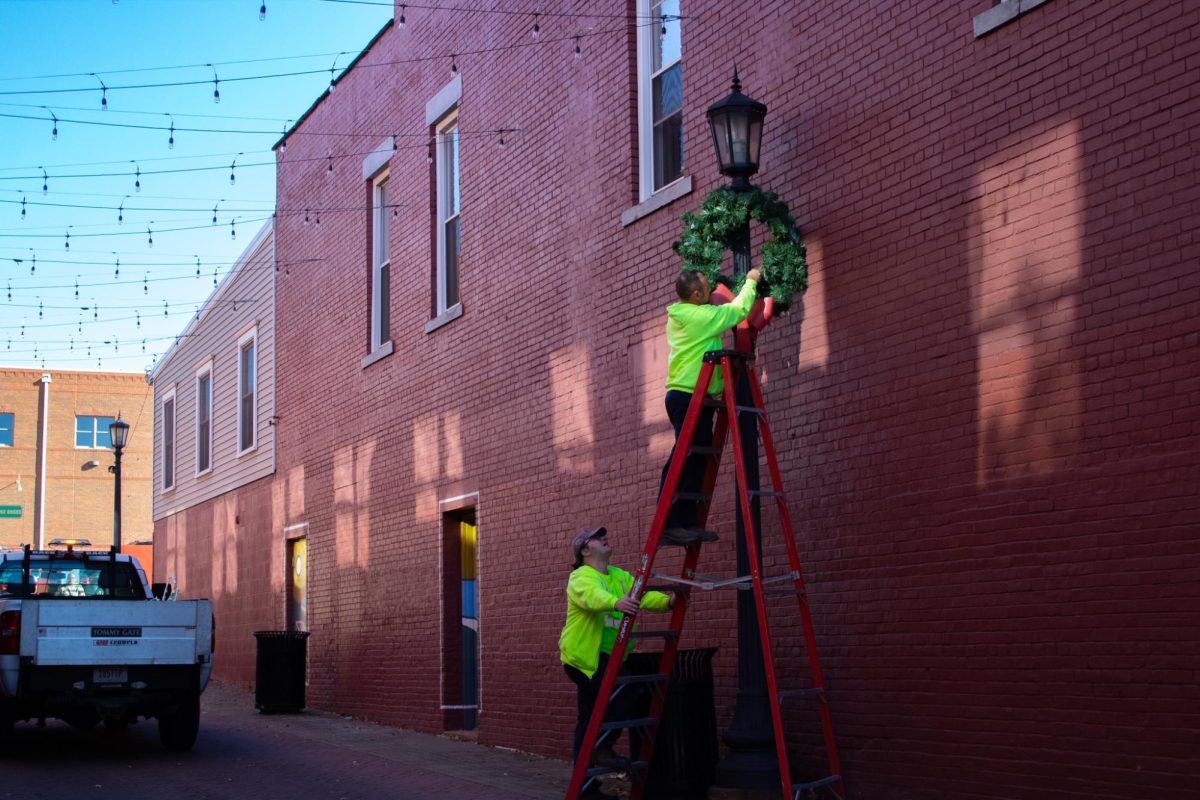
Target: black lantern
[(736, 122), (118, 432)]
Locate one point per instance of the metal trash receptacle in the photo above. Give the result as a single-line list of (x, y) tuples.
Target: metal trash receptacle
[(280, 671), (684, 763)]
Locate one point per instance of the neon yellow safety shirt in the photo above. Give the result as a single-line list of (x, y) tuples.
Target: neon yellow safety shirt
[(592, 620), (694, 330)]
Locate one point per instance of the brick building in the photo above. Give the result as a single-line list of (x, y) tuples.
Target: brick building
[(985, 403), (61, 419)]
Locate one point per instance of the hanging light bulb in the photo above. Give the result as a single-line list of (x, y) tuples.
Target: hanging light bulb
[(165, 308), (40, 308), (537, 29), (121, 210), (232, 229), (22, 207), (95, 309), (149, 236), (577, 51), (117, 268), (10, 290), (45, 180), (33, 264), (329, 169), (500, 143), (76, 287), (332, 68), (138, 315), (306, 216), (103, 93), (72, 345), (54, 125), (400, 22), (214, 220), (171, 137), (453, 64), (663, 19), (216, 84), (262, 12), (232, 179), (146, 284), (67, 241), (137, 176), (197, 266), (429, 154)]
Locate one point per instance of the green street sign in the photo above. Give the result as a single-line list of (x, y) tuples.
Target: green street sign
[(10, 512)]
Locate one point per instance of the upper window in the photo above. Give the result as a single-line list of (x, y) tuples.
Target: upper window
[(660, 95), (6, 430), (381, 321), (247, 410), (204, 418), (92, 432), (447, 212), (168, 438)]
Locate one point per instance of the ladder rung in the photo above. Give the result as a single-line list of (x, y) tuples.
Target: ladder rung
[(798, 788), (699, 497), (653, 678), (750, 410), (715, 356), (640, 722), (810, 692), (764, 493), (663, 634), (628, 766)]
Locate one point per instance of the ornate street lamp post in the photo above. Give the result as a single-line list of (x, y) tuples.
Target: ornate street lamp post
[(118, 432), (736, 123)]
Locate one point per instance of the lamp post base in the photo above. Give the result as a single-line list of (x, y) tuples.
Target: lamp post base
[(752, 762)]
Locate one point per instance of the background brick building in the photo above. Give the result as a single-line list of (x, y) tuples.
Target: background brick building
[(985, 403), (78, 497)]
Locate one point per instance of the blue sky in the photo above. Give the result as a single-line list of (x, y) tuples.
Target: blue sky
[(124, 317)]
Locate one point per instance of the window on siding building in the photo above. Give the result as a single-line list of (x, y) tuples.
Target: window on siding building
[(447, 212), (660, 95), (204, 419), (247, 390), (381, 291), (6, 430), (168, 438), (92, 432)]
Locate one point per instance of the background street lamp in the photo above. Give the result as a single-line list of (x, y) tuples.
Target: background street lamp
[(736, 123), (118, 432)]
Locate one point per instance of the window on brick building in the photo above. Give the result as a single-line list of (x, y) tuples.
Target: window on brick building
[(92, 432), (168, 440), (247, 385), (204, 418), (660, 95), (381, 291), (447, 212), (6, 430)]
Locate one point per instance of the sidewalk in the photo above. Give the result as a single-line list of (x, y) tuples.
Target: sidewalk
[(458, 769)]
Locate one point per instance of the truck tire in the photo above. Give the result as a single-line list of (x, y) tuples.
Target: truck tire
[(177, 729)]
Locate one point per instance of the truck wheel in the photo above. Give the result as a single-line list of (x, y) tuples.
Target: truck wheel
[(177, 729)]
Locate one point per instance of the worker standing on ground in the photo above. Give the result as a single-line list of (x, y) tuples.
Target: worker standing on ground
[(694, 327), (597, 596)]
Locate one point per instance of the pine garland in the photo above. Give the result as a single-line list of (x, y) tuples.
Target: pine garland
[(706, 235)]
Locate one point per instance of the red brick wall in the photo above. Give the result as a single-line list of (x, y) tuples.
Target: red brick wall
[(985, 404)]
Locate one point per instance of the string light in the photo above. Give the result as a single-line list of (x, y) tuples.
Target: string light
[(171, 137), (76, 287), (149, 236), (232, 229), (138, 316), (401, 22), (232, 165), (332, 67), (54, 129), (329, 170), (453, 64), (500, 143), (45, 180), (306, 216), (121, 210), (22, 206), (40, 308), (103, 93), (137, 176), (146, 284), (537, 29), (67, 241), (197, 266), (577, 51), (216, 84), (117, 269), (214, 220)]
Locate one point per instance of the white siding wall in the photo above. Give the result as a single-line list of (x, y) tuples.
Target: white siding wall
[(245, 299)]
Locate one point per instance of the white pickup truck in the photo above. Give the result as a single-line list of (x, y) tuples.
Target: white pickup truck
[(84, 639)]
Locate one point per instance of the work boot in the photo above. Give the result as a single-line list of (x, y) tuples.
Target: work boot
[(607, 757), (686, 536)]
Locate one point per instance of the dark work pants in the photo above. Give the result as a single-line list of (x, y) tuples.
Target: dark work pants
[(684, 513), (625, 705)]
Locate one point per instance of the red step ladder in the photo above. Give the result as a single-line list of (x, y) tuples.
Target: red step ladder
[(584, 778)]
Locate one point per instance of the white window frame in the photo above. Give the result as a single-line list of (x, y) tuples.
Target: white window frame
[(249, 337), (204, 370), (443, 150), (646, 31), (380, 259), (169, 455), (95, 432)]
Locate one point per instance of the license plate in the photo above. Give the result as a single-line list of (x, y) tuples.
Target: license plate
[(110, 675)]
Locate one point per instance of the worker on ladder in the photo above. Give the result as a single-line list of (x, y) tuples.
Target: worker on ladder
[(694, 327), (597, 596)]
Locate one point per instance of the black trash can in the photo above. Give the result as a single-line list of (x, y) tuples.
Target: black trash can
[(685, 750), (280, 671)]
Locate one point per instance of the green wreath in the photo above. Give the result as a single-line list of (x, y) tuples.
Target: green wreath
[(707, 232)]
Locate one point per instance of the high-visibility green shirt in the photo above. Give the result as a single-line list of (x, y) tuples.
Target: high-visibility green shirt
[(694, 330), (592, 618)]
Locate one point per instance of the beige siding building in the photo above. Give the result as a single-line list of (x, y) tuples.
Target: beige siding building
[(214, 391), (55, 453)]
